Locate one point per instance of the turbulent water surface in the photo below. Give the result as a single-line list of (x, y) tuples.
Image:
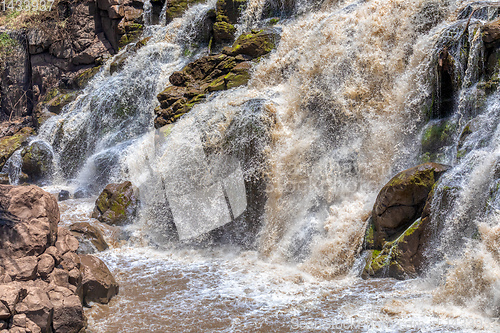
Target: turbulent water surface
[(327, 118)]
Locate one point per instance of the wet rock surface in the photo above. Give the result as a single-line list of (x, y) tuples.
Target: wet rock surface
[(116, 204), (398, 226), (212, 73)]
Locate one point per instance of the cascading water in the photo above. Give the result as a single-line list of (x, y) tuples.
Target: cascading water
[(339, 107)]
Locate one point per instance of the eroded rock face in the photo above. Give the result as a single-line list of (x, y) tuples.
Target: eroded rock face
[(41, 276), (116, 204), (399, 226)]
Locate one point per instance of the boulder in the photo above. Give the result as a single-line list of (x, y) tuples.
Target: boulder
[(63, 195), (37, 160), (9, 144), (89, 237), (116, 204), (28, 224), (227, 14), (176, 8), (401, 201), (65, 241), (98, 283), (207, 74), (491, 32), (397, 238)]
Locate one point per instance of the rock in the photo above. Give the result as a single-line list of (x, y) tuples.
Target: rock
[(56, 99), (436, 137), (491, 31), (397, 246), (32, 327), (65, 241), (38, 40), (4, 312), (9, 144), (37, 308), (175, 8), (98, 283), (54, 252), (37, 160), (89, 237), (81, 193), (255, 43), (116, 204), (59, 277), (68, 311), (22, 269), (82, 79), (70, 261), (46, 264), (227, 14), (4, 178), (401, 201), (224, 32), (63, 195), (10, 294), (29, 221)]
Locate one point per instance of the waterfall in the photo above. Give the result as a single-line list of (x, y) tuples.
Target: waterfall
[(289, 166)]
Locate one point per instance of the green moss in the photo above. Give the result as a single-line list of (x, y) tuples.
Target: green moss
[(224, 31), (9, 144), (234, 80), (7, 44), (175, 8), (274, 21), (370, 236), (84, 78), (217, 84)]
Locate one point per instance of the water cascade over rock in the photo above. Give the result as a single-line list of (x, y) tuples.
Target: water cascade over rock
[(319, 143)]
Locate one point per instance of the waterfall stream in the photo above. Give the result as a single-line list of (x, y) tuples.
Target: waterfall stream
[(254, 205)]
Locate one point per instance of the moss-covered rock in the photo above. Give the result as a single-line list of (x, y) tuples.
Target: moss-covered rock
[(84, 78), (37, 161), (224, 31), (9, 144), (175, 8), (230, 10), (400, 230), (57, 99), (207, 74), (401, 201), (436, 137), (255, 43), (116, 204)]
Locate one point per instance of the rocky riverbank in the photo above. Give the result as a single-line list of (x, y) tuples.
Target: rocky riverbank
[(44, 280)]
